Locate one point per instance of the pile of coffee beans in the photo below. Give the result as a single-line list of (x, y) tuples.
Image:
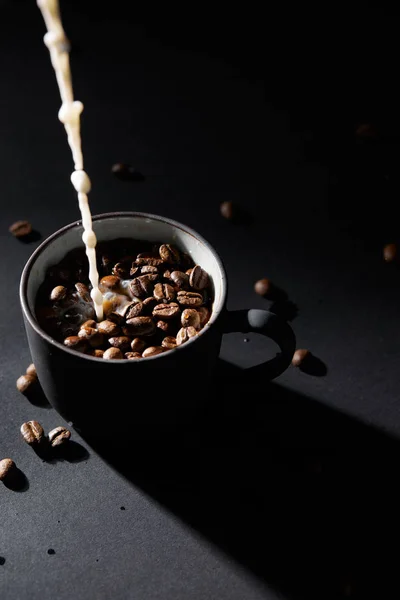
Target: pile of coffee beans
[(155, 299)]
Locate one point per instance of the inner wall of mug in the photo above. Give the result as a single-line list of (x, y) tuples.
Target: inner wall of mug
[(134, 227)]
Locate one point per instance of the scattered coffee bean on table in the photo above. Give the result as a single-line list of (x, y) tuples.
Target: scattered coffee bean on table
[(20, 229), (263, 287), (25, 383), (58, 436), (7, 468), (300, 356), (32, 433), (31, 370), (155, 299), (390, 252)]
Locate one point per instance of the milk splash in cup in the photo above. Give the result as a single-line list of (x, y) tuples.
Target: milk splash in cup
[(69, 114)]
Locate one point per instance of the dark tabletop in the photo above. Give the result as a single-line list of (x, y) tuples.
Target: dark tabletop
[(279, 490)]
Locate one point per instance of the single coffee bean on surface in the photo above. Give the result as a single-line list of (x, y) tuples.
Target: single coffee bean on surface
[(180, 279), (169, 342), (300, 356), (390, 252), (25, 383), (20, 229), (113, 354), (169, 254), (58, 293), (138, 345), (132, 355), (108, 328), (263, 287), (190, 318), (198, 278), (190, 298), (140, 325), (164, 291), (184, 334), (58, 436), (227, 209), (152, 351), (166, 311), (7, 468), (31, 370), (122, 342), (32, 432)]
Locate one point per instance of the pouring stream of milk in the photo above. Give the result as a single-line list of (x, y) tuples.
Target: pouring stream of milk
[(69, 114)]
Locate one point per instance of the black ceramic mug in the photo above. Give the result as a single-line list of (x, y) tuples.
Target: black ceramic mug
[(151, 393)]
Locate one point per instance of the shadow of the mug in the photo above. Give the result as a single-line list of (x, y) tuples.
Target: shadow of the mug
[(301, 495)]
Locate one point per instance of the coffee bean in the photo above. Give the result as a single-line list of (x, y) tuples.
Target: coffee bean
[(299, 357), (263, 287), (75, 343), (89, 323), (32, 432), (198, 278), (189, 271), (83, 291), (31, 371), (190, 298), (7, 468), (148, 270), (91, 335), (116, 317), (167, 274), (126, 172), (108, 328), (132, 355), (148, 305), (113, 354), (169, 254), (135, 310), (58, 436), (25, 383), (152, 351), (204, 315), (390, 252), (121, 270), (137, 345), (122, 342), (150, 261), (140, 325), (180, 279), (227, 209), (97, 353), (20, 229), (58, 293), (164, 326), (169, 342), (134, 270), (164, 291), (184, 335), (109, 282), (166, 311), (142, 286), (190, 318)]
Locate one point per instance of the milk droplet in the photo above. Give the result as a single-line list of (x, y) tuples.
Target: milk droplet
[(89, 239), (81, 182), (70, 111), (97, 296)]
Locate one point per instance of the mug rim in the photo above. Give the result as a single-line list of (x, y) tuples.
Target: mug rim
[(29, 315)]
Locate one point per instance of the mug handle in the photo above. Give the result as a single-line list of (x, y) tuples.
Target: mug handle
[(270, 325)]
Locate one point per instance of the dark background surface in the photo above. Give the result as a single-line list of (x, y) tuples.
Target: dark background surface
[(282, 490)]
